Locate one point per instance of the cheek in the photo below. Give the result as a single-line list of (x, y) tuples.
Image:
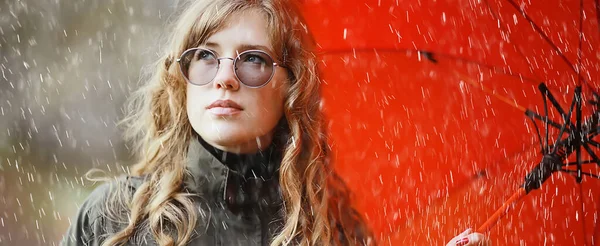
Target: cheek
[(189, 100), (268, 104), (194, 100), (276, 95)]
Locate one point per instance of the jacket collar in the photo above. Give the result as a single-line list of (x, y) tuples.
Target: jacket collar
[(207, 176), (210, 176)]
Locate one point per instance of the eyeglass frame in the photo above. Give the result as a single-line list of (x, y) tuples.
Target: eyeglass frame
[(275, 65)]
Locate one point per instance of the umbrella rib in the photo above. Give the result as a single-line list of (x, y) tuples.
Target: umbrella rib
[(495, 16), (567, 119), (496, 69), (514, 104), (544, 89), (431, 57), (537, 130), (582, 162), (485, 89), (579, 51), (583, 173), (545, 119), (594, 91), (577, 99), (592, 154), (545, 151), (592, 135), (591, 125), (594, 143), (598, 13), (544, 36)]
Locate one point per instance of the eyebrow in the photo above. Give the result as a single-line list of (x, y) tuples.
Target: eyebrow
[(243, 47)]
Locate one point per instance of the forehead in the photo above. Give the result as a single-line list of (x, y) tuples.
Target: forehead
[(247, 28)]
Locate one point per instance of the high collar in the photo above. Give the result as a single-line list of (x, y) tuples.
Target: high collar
[(243, 182), (261, 164), (207, 176)]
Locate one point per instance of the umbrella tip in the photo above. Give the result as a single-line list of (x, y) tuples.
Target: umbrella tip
[(428, 55), (481, 174)]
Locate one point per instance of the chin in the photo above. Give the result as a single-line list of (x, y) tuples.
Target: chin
[(225, 135), (229, 138), (229, 133)]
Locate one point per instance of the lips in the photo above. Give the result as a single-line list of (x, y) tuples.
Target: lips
[(224, 104), (224, 108)]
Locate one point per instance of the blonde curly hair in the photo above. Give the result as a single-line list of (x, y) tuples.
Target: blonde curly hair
[(316, 201)]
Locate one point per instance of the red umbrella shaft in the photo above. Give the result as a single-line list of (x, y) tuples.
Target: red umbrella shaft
[(502, 211)]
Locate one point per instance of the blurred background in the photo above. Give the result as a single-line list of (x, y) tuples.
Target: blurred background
[(66, 68)]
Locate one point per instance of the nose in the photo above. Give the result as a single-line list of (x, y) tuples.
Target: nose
[(225, 78)]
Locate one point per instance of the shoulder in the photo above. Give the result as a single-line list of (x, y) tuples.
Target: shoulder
[(93, 216), (122, 187)]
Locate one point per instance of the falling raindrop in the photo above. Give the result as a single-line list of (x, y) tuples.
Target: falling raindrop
[(66, 69)]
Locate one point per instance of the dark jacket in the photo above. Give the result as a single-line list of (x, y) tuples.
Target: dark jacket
[(238, 203)]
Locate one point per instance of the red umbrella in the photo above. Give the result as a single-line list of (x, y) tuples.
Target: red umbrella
[(432, 107)]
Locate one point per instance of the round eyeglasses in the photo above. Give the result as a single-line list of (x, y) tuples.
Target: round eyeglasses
[(253, 68)]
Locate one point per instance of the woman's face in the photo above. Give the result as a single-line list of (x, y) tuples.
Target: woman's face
[(247, 126)]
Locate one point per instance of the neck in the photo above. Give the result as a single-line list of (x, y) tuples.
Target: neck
[(250, 147), (241, 163)]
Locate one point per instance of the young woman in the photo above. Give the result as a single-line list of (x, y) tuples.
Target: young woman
[(231, 143)]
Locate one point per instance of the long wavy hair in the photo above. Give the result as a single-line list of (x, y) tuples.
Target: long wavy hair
[(317, 204)]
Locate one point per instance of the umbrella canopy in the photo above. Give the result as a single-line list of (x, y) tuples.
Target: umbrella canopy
[(427, 103)]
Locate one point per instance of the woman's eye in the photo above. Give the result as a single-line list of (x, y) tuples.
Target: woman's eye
[(204, 55), (254, 59)]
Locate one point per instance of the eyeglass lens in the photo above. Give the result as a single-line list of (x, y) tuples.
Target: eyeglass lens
[(252, 68)]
